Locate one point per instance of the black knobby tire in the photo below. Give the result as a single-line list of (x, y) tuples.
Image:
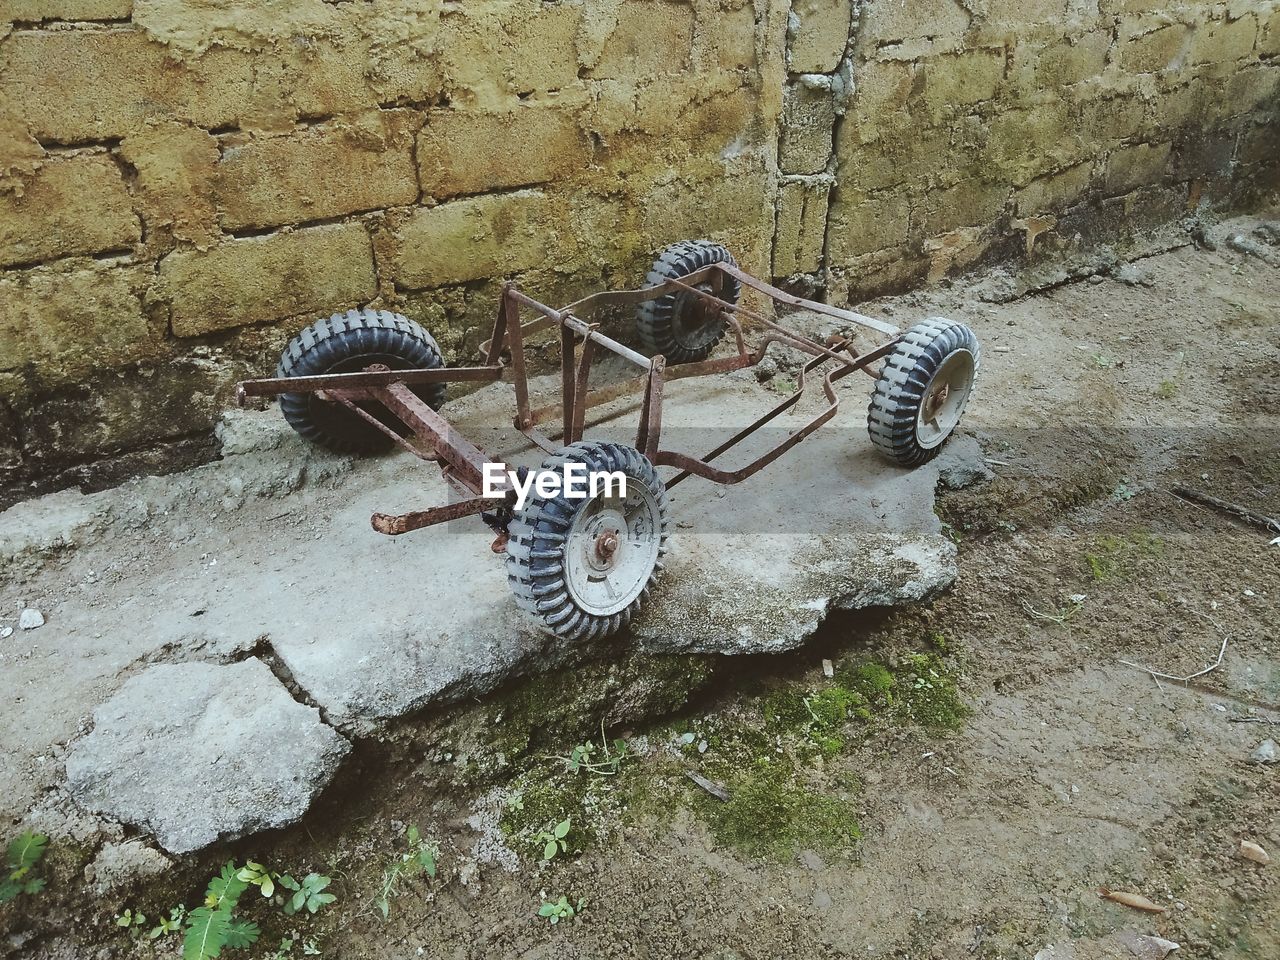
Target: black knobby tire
[(543, 533), (910, 382), (347, 343), (675, 325)]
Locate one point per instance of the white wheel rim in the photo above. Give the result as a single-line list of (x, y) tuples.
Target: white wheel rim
[(944, 399), (611, 550)]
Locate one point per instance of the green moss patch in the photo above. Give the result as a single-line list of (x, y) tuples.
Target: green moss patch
[(772, 813)]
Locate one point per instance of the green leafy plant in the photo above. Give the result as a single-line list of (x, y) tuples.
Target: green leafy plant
[(561, 909), (553, 840), (309, 893), (23, 853), (171, 925), (419, 858), (214, 925), (264, 879), (606, 763), (130, 919)]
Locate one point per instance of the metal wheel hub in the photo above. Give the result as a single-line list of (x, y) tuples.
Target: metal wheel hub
[(945, 398), (611, 549)]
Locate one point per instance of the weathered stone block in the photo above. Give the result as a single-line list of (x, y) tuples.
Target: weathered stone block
[(76, 85), (970, 203), (544, 48), (267, 278), (323, 171), (71, 205), (175, 165), (1223, 41), (1140, 165), (886, 21), (882, 90), (64, 322), (1025, 144), (1269, 35), (1106, 120), (462, 152), (861, 224), (1204, 154), (808, 124), (1055, 192), (1156, 51), (1020, 13), (34, 11), (725, 39), (477, 237), (651, 38), (1253, 87), (959, 80), (819, 31), (800, 230), (1063, 63)]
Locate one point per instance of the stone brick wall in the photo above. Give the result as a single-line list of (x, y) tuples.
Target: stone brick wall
[(184, 183)]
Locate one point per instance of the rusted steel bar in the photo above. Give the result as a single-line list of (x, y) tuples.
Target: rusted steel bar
[(465, 458), (394, 525), (781, 296), (567, 319), (650, 431), (580, 392), (492, 348), (540, 439), (568, 395), (364, 379), (691, 465), (515, 341)]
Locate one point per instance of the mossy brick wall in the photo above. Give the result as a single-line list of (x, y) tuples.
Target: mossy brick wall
[(184, 183)]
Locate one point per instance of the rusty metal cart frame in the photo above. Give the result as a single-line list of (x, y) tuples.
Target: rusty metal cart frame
[(432, 438)]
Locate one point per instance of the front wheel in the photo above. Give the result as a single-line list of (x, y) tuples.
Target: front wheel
[(922, 391), (583, 566)]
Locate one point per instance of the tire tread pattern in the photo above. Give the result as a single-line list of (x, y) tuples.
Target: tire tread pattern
[(539, 532), (331, 340), (655, 318), (901, 386)]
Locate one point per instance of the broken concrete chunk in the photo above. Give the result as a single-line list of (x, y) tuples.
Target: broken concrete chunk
[(199, 752), (120, 864)]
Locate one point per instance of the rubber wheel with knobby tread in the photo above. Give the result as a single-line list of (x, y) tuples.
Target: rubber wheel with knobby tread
[(347, 343), (922, 390), (582, 567), (679, 326)]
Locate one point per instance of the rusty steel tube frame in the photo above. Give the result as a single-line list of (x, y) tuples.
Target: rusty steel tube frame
[(461, 462)]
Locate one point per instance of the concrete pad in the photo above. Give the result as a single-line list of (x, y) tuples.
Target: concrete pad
[(199, 752)]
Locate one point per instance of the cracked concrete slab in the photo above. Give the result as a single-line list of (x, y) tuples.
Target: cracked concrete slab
[(200, 752)]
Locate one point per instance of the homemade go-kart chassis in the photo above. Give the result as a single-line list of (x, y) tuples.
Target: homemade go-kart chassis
[(584, 569)]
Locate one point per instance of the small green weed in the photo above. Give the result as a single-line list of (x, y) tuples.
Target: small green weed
[(561, 909), (1167, 390), (419, 858), (606, 763), (553, 840), (21, 857), (309, 893)]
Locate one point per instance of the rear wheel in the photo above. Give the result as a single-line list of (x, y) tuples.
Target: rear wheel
[(582, 567), (348, 343), (682, 327), (922, 391)]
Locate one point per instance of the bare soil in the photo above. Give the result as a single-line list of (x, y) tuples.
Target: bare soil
[(906, 826)]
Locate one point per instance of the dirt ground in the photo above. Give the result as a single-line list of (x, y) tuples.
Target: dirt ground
[(973, 772)]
